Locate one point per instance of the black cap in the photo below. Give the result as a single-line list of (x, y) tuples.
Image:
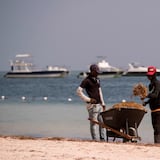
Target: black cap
[(94, 67)]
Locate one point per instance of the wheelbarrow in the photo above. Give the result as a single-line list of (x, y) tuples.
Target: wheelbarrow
[(122, 122)]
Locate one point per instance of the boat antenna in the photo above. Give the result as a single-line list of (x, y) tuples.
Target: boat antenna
[(101, 57)]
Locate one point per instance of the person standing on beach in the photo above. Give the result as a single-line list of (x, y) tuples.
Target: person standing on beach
[(94, 100), (154, 101)]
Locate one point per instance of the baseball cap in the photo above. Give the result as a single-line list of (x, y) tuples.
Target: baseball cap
[(94, 67), (151, 70)]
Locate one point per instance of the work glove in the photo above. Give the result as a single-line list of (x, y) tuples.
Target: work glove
[(93, 101)]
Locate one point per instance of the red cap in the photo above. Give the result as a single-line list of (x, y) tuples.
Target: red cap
[(151, 70)]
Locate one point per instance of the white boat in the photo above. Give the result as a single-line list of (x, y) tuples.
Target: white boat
[(21, 67), (135, 69), (106, 70)]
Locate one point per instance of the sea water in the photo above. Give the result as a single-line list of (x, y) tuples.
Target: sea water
[(49, 107)]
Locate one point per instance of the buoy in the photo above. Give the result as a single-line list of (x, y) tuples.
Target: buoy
[(23, 98), (69, 99), (45, 98), (3, 97)]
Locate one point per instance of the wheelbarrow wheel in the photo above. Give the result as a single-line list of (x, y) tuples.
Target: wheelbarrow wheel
[(132, 132), (134, 140)]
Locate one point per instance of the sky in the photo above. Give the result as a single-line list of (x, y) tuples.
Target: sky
[(73, 33)]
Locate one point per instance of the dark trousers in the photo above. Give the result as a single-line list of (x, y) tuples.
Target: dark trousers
[(156, 126)]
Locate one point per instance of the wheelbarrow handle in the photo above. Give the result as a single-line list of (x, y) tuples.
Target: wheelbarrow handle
[(113, 130)]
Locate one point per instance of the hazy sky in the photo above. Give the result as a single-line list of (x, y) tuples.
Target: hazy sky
[(74, 32)]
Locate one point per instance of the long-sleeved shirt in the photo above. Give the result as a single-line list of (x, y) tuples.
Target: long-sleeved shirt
[(154, 95)]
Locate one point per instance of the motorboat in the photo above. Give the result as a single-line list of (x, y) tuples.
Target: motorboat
[(135, 69), (21, 67), (106, 70)]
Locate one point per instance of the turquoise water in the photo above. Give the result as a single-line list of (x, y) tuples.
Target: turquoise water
[(62, 114)]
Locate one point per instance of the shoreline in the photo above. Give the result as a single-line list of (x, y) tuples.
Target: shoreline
[(21, 137), (59, 148)]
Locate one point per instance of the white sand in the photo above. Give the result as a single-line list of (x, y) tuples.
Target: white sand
[(64, 149)]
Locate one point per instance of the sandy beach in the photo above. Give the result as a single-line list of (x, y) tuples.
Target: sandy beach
[(68, 149)]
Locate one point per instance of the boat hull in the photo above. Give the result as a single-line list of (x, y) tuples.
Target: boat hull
[(37, 74), (104, 74), (137, 74)]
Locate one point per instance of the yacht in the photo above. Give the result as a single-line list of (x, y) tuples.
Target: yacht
[(106, 70), (21, 67), (135, 69)]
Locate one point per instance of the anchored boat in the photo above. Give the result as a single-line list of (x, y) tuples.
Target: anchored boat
[(136, 70), (106, 70), (22, 68)]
